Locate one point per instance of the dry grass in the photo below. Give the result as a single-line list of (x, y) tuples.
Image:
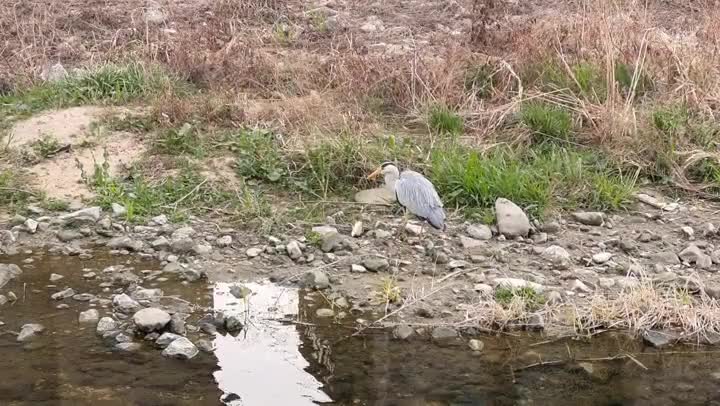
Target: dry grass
[(644, 306)]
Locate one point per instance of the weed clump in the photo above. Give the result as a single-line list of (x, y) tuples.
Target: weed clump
[(549, 123), (529, 297), (444, 121)]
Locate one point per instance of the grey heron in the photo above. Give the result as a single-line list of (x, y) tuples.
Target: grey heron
[(414, 192)]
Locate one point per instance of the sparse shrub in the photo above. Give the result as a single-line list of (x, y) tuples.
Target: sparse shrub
[(549, 123), (531, 299), (179, 141), (258, 155), (480, 80), (444, 121), (46, 146)]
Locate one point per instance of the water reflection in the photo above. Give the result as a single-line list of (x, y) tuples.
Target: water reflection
[(263, 364)]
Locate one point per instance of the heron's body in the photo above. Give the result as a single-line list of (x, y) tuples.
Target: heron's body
[(416, 194)]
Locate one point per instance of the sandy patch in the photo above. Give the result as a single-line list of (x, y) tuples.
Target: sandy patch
[(69, 126), (60, 176)]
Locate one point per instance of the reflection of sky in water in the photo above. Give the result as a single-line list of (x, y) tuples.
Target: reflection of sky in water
[(263, 364)]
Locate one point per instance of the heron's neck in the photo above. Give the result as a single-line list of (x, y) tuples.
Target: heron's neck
[(390, 180)]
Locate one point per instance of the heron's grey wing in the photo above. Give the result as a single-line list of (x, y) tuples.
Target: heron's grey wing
[(417, 194)]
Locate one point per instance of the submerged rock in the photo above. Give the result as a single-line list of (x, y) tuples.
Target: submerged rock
[(181, 348), (126, 243), (476, 345), (444, 335), (658, 339), (29, 331), (89, 316), (8, 272), (128, 346), (64, 294), (316, 279), (403, 332)]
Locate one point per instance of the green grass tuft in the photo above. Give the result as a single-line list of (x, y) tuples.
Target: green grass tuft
[(444, 121), (532, 299), (537, 180), (549, 123), (258, 155), (180, 141), (109, 84)]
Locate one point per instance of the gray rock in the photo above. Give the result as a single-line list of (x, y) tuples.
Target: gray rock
[(69, 235), (191, 274), (324, 230), (118, 210), (128, 347), (202, 249), (89, 215), (457, 263), (125, 304), (557, 255), (665, 258), (183, 233), (316, 279), (578, 286), (357, 268), (64, 294), (233, 324), (293, 250), (55, 277), (540, 238), (240, 291), (83, 297), (554, 297), (126, 243), (29, 331), (31, 226), (658, 339), (511, 219), (382, 234), (253, 252), (146, 294), (357, 229), (688, 232), (89, 316), (479, 232), (471, 243), (601, 257), (403, 332), (694, 255), (589, 218), (331, 242), (8, 272), (483, 289), (181, 348), (3, 300), (177, 324), (224, 241), (105, 325), (53, 72), (606, 283), (205, 346), (476, 345), (413, 229), (324, 313), (376, 264), (151, 319), (160, 220), (444, 335), (165, 339), (182, 245), (550, 227), (160, 243)]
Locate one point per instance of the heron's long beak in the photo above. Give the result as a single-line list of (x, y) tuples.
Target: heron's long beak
[(375, 174)]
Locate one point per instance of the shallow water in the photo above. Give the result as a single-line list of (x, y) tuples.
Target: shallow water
[(313, 361)]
